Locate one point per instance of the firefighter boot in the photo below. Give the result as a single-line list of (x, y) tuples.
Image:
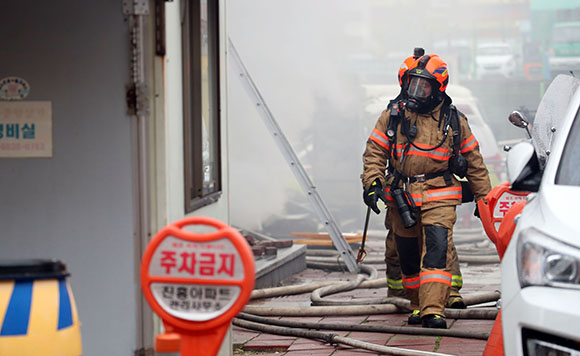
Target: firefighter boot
[(456, 302), (396, 293), (414, 318), (434, 321)]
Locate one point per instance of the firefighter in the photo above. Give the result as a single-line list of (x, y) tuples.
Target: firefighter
[(426, 143), (394, 280)]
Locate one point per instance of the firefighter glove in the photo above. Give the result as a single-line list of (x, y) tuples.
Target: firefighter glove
[(373, 194)]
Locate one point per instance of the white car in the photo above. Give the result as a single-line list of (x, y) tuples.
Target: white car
[(495, 59), (541, 266)]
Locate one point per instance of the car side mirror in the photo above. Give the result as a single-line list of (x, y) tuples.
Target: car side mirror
[(518, 119), (523, 168)]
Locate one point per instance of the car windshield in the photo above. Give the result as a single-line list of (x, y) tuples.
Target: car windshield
[(568, 172), (551, 111), (494, 51)]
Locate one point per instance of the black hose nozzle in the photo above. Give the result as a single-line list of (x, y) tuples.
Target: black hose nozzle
[(403, 207)]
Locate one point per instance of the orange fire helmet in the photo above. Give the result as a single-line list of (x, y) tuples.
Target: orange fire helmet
[(409, 62), (432, 67)]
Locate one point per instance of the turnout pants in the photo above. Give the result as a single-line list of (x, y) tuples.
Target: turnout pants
[(426, 254), (394, 277)]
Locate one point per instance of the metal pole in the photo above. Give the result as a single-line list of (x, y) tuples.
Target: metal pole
[(361, 252), (295, 166)]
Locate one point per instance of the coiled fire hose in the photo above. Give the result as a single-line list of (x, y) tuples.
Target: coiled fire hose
[(253, 316), (331, 338)]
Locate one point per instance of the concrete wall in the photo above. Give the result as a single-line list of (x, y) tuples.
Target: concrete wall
[(78, 205), (168, 190)]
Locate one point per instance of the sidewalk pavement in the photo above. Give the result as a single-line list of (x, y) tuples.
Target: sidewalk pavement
[(476, 278)]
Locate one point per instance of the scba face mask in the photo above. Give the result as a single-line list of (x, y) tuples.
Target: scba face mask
[(422, 97), (419, 88)]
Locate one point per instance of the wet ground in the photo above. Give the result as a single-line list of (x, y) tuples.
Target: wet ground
[(478, 277)]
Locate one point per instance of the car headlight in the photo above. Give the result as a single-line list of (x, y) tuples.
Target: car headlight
[(545, 261)]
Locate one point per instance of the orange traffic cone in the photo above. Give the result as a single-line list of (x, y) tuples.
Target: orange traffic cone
[(494, 346)]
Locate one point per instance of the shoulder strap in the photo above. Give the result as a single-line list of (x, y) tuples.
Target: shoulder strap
[(396, 113), (456, 127)]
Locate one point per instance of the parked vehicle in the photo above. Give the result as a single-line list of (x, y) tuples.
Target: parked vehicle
[(541, 265), (495, 59), (565, 50)]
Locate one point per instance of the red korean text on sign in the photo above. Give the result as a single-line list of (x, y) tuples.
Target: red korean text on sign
[(198, 264), (168, 260)]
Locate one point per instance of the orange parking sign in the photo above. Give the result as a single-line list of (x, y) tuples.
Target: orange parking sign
[(198, 282)]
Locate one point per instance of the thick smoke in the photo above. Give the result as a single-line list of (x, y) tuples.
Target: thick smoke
[(326, 69)]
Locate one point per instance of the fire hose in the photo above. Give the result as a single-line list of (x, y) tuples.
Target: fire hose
[(253, 316)]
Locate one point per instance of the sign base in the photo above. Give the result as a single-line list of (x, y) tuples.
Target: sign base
[(205, 343)]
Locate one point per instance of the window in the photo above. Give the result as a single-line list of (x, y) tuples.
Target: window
[(568, 173), (201, 103)]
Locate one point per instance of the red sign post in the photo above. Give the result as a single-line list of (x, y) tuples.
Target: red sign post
[(198, 282)]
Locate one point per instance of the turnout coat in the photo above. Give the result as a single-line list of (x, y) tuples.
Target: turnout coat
[(423, 157)]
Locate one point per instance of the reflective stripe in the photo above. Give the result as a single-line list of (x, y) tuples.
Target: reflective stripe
[(380, 138), (412, 283), (468, 144), (395, 283), (439, 150), (430, 154), (457, 281), (431, 195), (436, 277), (443, 194), (417, 198), (399, 149), (440, 154)]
